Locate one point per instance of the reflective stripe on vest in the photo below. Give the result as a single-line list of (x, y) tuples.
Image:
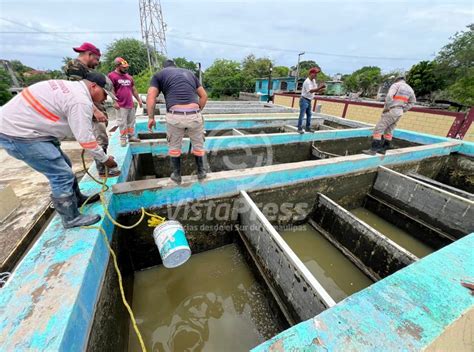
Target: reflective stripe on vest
[(400, 97), (40, 109)]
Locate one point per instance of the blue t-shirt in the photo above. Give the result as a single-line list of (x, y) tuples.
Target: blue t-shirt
[(178, 85)]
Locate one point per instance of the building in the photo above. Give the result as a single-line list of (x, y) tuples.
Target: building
[(279, 84)]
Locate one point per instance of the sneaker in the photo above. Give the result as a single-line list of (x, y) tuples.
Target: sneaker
[(134, 139), (123, 142), (309, 129), (300, 131)]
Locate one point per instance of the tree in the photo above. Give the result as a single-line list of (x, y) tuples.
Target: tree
[(455, 73), (223, 77), (36, 78), (5, 82), (365, 79), (423, 79), (183, 63), (306, 65), (253, 68), (142, 81), (132, 50), (281, 71)]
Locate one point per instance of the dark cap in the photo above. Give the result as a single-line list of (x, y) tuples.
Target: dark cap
[(102, 81), (87, 47), (169, 63)]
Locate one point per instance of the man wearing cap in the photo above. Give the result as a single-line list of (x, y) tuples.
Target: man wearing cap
[(125, 90), (185, 98), (400, 98), (77, 69), (310, 87), (33, 122)]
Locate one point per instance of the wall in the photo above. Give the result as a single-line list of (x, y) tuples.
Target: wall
[(437, 122)]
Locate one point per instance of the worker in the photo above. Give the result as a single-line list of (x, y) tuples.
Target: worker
[(33, 122), (125, 91), (185, 99), (87, 60), (400, 98), (310, 87)]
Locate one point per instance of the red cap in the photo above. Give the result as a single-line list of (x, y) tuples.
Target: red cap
[(87, 47), (314, 70)]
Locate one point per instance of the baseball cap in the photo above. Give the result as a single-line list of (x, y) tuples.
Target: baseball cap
[(87, 47), (121, 62), (314, 70), (102, 81)]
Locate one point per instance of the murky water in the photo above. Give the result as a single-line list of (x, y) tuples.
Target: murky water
[(329, 266), (211, 303), (397, 235)]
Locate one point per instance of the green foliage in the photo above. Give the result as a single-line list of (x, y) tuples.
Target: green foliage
[(18, 67), (36, 78), (142, 81), (183, 63), (366, 80), (223, 77), (306, 65), (455, 67), (5, 83), (281, 71), (132, 50), (423, 79)]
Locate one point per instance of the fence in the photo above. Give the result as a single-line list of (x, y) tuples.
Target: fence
[(438, 122)]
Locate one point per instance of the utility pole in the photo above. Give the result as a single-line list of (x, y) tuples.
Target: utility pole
[(270, 83), (153, 30), (198, 66), (298, 70)]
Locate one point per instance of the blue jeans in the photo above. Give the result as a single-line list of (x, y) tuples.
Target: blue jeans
[(305, 107), (45, 157)]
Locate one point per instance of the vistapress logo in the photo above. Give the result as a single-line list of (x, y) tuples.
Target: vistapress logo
[(238, 149)]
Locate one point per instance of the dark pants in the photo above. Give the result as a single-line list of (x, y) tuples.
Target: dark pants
[(46, 158), (305, 108)]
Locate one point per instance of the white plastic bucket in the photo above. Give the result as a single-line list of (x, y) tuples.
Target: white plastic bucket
[(171, 241)]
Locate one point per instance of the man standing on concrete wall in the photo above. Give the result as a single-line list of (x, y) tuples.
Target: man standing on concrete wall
[(185, 98), (33, 122), (125, 90), (77, 69), (310, 87), (400, 98)]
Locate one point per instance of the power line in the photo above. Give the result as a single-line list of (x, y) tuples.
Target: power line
[(234, 44)]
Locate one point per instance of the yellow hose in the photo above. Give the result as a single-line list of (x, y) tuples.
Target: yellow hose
[(154, 221)]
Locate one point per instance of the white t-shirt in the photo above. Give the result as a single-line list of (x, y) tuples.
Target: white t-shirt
[(307, 86), (53, 108)]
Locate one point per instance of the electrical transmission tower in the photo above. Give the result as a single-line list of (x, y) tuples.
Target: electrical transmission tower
[(153, 30)]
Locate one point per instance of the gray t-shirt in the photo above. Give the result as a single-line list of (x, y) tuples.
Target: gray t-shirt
[(177, 84)]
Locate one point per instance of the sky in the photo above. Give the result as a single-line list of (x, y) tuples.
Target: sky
[(341, 36)]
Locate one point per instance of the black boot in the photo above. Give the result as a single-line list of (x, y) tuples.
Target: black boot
[(201, 172), (176, 167), (66, 206), (81, 198), (386, 146), (376, 147)]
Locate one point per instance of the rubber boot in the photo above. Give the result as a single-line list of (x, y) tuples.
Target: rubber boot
[(201, 172), (376, 147), (386, 146), (81, 198), (176, 167), (66, 206)]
